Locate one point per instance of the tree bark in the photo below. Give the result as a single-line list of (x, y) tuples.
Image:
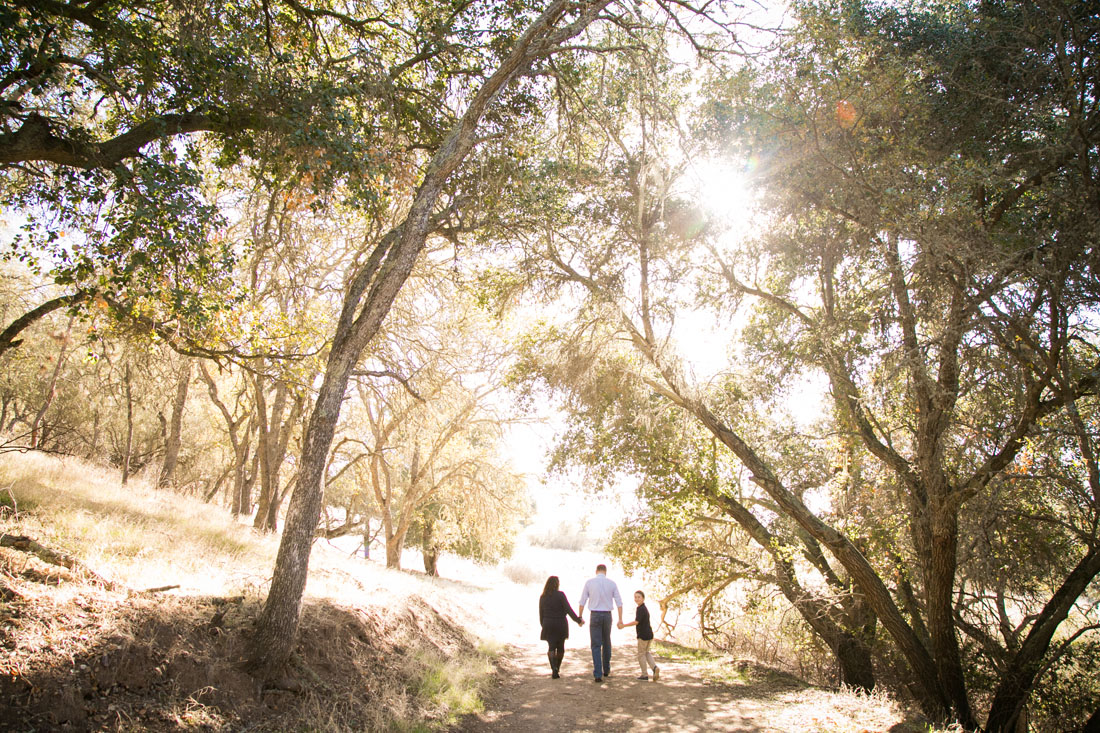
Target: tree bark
[(395, 545), (129, 429), (246, 476), (1016, 682), (175, 426), (379, 280), (51, 388), (263, 450), (852, 652), (428, 548), (8, 337)]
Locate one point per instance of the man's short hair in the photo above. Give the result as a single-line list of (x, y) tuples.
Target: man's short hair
[(601, 568)]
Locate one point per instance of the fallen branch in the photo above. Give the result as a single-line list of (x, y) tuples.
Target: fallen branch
[(27, 544), (160, 589)]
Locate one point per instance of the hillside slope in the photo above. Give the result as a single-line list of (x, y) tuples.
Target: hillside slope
[(124, 608)]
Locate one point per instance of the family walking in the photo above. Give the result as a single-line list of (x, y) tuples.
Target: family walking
[(601, 595)]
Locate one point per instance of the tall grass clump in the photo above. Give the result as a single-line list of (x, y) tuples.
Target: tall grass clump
[(523, 574), (565, 536)]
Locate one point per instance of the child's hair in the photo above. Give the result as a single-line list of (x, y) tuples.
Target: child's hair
[(639, 593)]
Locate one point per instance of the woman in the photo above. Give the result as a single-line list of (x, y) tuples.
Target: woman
[(553, 607)]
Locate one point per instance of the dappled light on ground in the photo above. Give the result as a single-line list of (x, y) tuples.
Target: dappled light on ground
[(527, 699)]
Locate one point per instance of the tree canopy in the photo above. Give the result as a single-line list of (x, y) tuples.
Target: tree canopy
[(866, 384), (926, 249)]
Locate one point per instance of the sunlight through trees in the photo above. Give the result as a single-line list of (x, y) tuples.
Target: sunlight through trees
[(819, 288)]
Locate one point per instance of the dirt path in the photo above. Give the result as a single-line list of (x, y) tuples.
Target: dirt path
[(527, 699)]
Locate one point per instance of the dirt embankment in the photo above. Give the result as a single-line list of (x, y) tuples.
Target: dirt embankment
[(76, 654)]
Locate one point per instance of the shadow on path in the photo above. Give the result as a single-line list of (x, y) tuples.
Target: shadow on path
[(527, 699)]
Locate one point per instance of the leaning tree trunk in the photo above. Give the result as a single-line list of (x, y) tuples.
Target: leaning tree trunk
[(850, 647), (1017, 681), (379, 280), (277, 628), (175, 426)]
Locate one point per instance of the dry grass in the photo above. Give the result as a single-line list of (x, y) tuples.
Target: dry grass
[(133, 535), (89, 649), (794, 705)]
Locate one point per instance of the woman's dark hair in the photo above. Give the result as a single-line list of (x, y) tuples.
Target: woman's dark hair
[(551, 585)]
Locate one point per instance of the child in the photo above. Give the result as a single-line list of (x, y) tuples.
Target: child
[(645, 637)]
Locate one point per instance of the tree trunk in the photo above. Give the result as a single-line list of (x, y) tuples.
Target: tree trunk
[(286, 431), (51, 388), (939, 561), (277, 628), (248, 475), (851, 649), (429, 549), (1017, 681), (175, 427), (856, 669), (263, 451), (273, 437), (93, 449), (395, 545), (379, 280), (129, 429)]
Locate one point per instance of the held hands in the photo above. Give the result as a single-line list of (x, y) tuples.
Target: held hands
[(621, 624), (581, 622)]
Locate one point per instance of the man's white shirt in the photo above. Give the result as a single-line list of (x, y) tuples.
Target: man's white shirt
[(603, 592)]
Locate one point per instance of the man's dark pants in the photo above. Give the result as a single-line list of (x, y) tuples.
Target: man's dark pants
[(599, 629)]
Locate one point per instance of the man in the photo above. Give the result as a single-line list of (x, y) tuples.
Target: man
[(603, 593)]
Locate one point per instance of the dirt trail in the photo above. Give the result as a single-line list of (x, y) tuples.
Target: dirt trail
[(527, 699)]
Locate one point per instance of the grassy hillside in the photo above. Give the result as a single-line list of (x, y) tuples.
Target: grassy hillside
[(131, 612)]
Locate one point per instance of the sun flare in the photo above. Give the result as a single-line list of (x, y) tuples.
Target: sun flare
[(723, 189)]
